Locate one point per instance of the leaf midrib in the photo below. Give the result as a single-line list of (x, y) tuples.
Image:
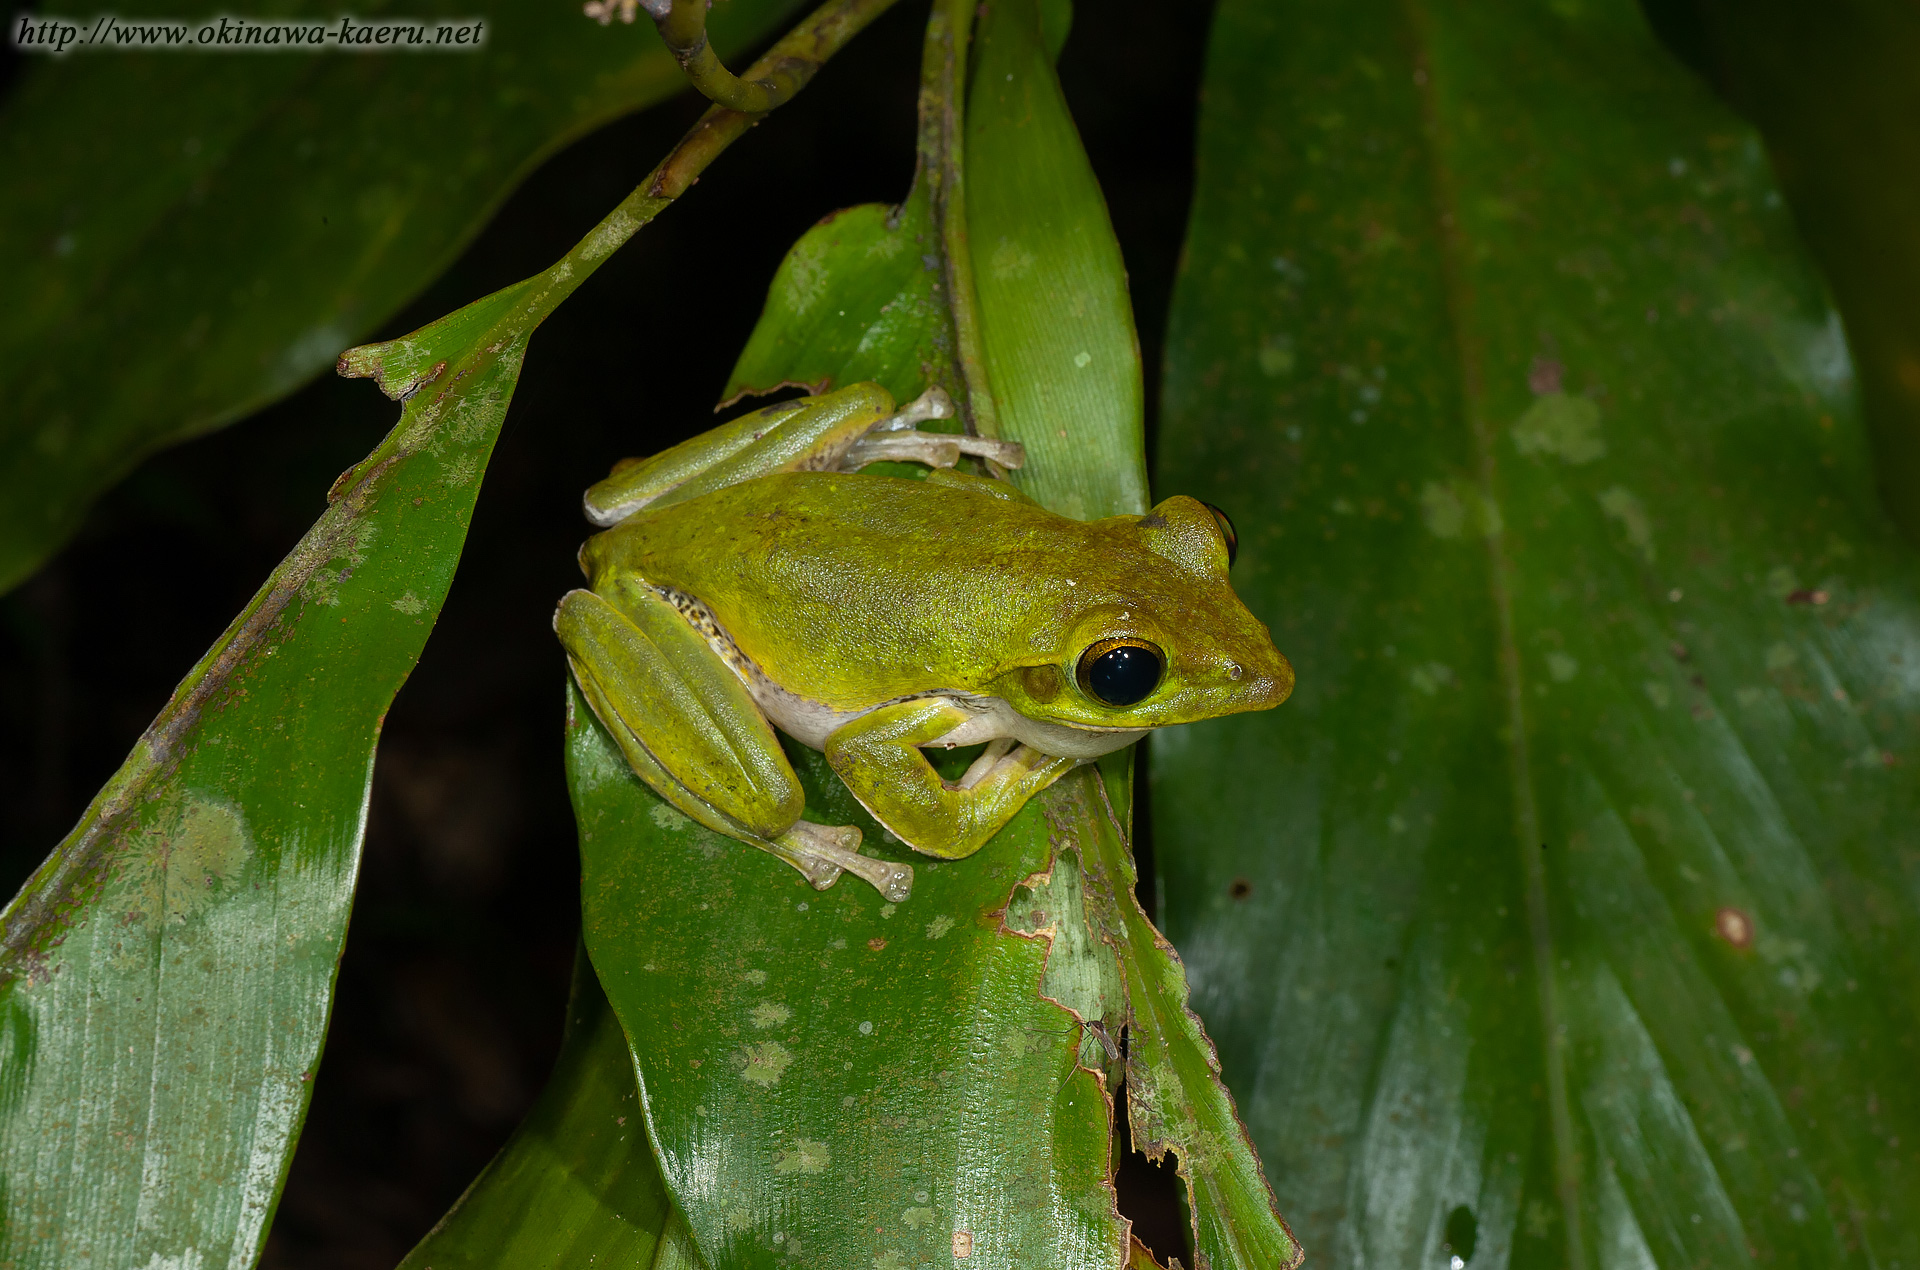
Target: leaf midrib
[(1525, 810)]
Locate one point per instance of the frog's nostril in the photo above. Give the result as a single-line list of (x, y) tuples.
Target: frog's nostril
[(1233, 670)]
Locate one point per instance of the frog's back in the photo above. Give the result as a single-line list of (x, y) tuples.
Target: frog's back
[(861, 588)]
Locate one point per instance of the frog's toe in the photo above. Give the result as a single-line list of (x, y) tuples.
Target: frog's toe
[(838, 848), (800, 850), (897, 887)]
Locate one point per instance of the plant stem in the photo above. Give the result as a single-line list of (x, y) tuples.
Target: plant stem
[(794, 59), (683, 25), (943, 90)]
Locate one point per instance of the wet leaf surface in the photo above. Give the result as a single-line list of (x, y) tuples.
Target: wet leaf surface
[(1056, 324), (166, 976), (1565, 916), (186, 238), (831, 1079)]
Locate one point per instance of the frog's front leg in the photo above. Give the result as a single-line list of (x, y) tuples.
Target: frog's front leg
[(878, 756), (689, 729)]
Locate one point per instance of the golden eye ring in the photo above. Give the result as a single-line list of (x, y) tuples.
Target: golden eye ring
[(1122, 671), (1225, 525)]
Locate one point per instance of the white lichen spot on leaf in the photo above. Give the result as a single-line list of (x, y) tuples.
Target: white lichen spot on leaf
[(1277, 357), (769, 1014), (201, 849), (410, 604), (1563, 426), (1431, 678), (915, 1218), (890, 1260), (323, 584), (1010, 260), (805, 275), (1441, 510), (1619, 503), (804, 1156), (1658, 693), (668, 817), (939, 926), (1562, 667), (1455, 508), (754, 977), (764, 1063)]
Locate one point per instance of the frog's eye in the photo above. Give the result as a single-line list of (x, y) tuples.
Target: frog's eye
[(1121, 672), (1221, 519)]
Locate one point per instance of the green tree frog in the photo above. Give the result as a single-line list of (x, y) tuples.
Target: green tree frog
[(753, 578)]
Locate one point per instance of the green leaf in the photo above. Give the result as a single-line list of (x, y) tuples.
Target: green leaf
[(166, 975), (577, 1185), (856, 299), (1831, 90), (1056, 326), (1175, 1100), (828, 1077), (188, 238), (1567, 909)]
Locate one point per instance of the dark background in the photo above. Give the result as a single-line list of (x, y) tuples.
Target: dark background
[(453, 984)]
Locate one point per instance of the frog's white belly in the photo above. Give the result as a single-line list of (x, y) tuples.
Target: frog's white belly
[(812, 722)]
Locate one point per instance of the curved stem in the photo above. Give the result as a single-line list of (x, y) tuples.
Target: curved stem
[(683, 25)]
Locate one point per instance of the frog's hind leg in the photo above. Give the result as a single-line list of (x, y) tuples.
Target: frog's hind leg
[(808, 434), (838, 431), (689, 729)]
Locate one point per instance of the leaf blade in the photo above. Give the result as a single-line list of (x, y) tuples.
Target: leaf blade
[(284, 173), (1599, 350), (168, 972)]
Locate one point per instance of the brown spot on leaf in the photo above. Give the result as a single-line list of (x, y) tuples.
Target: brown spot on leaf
[(1734, 926)]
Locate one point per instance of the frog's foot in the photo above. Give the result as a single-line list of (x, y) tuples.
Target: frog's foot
[(931, 404), (895, 439), (822, 852)]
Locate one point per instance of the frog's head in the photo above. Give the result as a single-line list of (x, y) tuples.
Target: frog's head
[(1148, 631)]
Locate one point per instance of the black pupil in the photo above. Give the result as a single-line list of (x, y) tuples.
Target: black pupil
[(1121, 676)]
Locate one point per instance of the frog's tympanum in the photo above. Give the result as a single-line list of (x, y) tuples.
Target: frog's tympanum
[(755, 578)]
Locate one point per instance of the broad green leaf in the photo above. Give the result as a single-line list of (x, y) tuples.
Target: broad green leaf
[(1056, 326), (185, 238), (1832, 90), (829, 1079), (577, 1184), (166, 976), (1565, 916)]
